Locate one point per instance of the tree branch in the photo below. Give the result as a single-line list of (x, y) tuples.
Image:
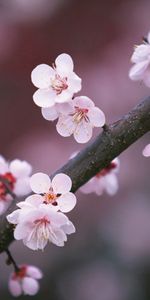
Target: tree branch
[(114, 139)]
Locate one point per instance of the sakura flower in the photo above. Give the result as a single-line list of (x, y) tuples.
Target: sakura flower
[(81, 119), (25, 281), (16, 174), (55, 193), (141, 59), (146, 151), (57, 84), (38, 223), (105, 180)]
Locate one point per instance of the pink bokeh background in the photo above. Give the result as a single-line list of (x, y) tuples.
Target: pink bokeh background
[(108, 257)]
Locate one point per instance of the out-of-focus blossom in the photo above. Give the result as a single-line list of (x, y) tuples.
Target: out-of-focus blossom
[(25, 281), (146, 151), (57, 84), (141, 59), (55, 193), (105, 180), (81, 119), (37, 223), (16, 174)]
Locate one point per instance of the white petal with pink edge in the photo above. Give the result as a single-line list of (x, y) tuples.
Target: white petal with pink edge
[(40, 183), (61, 183), (96, 116), (50, 113), (41, 76), (64, 64), (83, 102), (67, 202), (44, 98), (83, 132), (65, 125)]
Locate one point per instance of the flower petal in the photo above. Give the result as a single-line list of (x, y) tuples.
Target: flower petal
[(44, 98), (67, 202), (65, 125), (111, 184), (31, 201), (58, 237), (22, 187), (146, 151), (20, 168), (3, 165), (83, 132), (14, 288), (40, 183), (64, 97), (83, 102), (13, 217), (50, 113), (30, 286), (64, 64), (69, 228), (136, 72), (96, 116), (41, 76), (61, 183), (34, 272), (74, 83)]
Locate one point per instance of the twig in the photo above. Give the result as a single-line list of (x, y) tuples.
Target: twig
[(12, 261)]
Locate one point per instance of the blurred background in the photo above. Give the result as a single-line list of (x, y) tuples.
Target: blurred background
[(109, 256)]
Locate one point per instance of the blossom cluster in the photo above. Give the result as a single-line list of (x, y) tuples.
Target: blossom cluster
[(40, 218), (76, 116)]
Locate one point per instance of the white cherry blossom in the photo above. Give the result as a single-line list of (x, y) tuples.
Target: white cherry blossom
[(55, 193), (141, 59), (16, 174), (105, 180), (25, 281), (57, 84), (37, 224), (80, 120), (146, 151)]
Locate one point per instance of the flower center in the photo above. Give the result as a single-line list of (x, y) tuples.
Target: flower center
[(41, 229), (50, 198), (80, 114), (21, 273), (10, 179), (106, 170), (59, 84)]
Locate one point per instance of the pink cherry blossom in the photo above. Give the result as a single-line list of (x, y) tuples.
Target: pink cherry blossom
[(37, 224), (16, 173), (57, 84), (81, 119), (146, 151), (105, 180), (25, 281), (141, 59), (56, 193)]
